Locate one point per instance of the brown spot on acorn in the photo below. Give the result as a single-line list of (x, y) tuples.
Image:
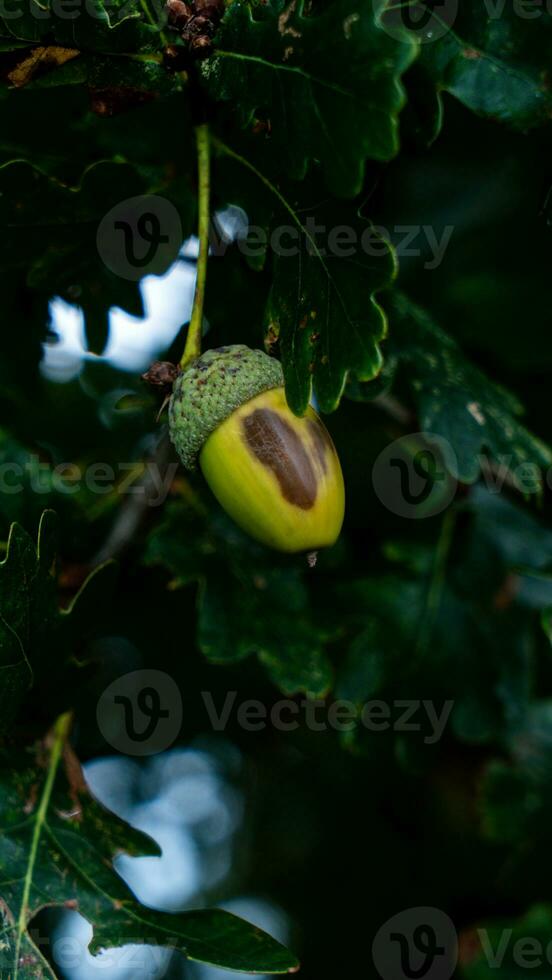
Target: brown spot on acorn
[(278, 447)]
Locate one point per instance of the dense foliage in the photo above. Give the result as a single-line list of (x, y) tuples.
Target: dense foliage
[(388, 182)]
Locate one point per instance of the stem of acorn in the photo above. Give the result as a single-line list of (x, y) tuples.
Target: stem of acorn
[(59, 736), (192, 350)]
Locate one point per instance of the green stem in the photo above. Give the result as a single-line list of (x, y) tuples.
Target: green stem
[(60, 733), (192, 349)]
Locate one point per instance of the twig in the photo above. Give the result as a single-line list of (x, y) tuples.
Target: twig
[(138, 504)]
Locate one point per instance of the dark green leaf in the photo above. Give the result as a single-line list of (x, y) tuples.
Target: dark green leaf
[(324, 86), (322, 308), (327, 267), (98, 26)]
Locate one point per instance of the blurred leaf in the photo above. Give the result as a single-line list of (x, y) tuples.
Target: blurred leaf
[(57, 849), (97, 125), (250, 601), (449, 623), (496, 62), (32, 199), (36, 637), (456, 401), (516, 795)]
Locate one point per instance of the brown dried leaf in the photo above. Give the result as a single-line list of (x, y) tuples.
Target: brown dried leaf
[(40, 60)]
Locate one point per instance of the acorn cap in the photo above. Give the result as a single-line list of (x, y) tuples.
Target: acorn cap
[(213, 387)]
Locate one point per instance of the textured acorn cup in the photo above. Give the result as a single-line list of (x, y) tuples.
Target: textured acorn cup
[(276, 475)]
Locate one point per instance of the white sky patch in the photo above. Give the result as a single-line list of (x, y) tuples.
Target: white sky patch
[(134, 342)]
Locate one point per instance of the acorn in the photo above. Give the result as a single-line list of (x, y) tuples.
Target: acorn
[(277, 476)]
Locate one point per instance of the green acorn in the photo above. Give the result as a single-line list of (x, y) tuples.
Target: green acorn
[(276, 475)]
